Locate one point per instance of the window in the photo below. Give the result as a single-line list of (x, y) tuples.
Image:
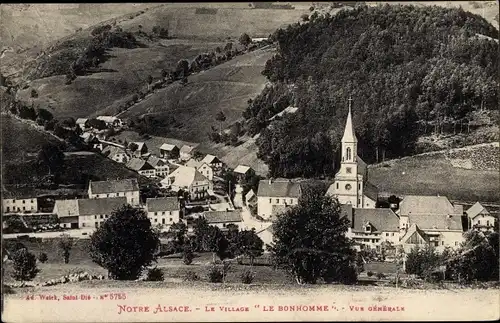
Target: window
[(374, 240), (107, 195), (348, 170), (95, 217), (162, 213), (277, 201), (24, 208), (393, 234), (170, 219), (8, 209), (97, 196), (359, 201), (456, 243), (478, 221), (83, 224), (96, 224), (291, 201), (270, 201), (368, 228), (488, 222), (156, 220), (101, 216), (32, 201), (24, 201), (387, 234), (337, 185), (348, 153), (156, 213), (442, 243), (163, 221), (359, 186)]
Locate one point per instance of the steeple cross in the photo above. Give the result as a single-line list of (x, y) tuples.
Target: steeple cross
[(350, 100)]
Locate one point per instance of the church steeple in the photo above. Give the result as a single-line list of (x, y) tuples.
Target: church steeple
[(349, 135)]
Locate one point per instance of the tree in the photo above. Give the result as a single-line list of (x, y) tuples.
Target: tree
[(133, 146), (309, 241), (187, 255), (124, 244), (27, 112), (44, 114), (245, 40), (216, 242), (24, 263), (97, 124), (221, 117), (51, 156), (305, 17), (422, 261), (200, 230), (228, 47), (69, 122), (477, 258), (182, 68), (179, 232), (65, 244), (250, 245)]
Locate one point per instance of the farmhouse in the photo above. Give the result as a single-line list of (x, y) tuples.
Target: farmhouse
[(111, 122), (142, 167), (160, 166), (18, 202), (163, 210), (189, 179), (186, 152), (141, 150), (221, 219), (351, 184), (82, 123), (212, 161), (128, 188), (371, 227), (243, 171), (86, 213), (207, 171), (282, 193), (480, 218), (432, 219), (117, 154), (169, 151)]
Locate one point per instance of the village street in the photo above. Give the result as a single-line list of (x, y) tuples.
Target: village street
[(250, 222)]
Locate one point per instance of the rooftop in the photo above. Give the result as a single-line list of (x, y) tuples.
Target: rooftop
[(186, 149), (100, 206), (186, 176), (475, 210), (114, 186), (381, 220), (439, 222), (279, 188), (209, 159), (167, 147), (425, 205), (162, 204), (241, 169), (138, 164), (222, 216), (155, 161)]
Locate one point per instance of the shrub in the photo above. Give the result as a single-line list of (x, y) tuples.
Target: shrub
[(155, 274), (187, 256), (215, 274), (42, 257), (369, 274), (380, 275), (191, 276), (24, 265), (247, 277)]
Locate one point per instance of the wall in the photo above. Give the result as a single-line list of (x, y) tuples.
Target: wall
[(166, 218), (206, 171), (20, 205), (265, 204)]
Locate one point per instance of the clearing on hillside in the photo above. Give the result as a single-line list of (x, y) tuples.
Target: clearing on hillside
[(465, 174)]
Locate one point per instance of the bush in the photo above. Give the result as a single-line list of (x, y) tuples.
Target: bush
[(187, 256), (369, 274), (191, 276), (155, 275), (24, 265), (215, 274), (42, 257), (247, 277), (380, 275)]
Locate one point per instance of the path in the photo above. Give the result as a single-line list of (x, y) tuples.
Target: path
[(250, 222)]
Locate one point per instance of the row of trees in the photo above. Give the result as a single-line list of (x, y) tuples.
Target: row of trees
[(403, 65)]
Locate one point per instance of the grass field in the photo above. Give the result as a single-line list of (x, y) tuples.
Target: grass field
[(18, 139), (434, 174)]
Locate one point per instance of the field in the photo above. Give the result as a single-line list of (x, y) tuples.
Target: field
[(16, 134), (77, 171), (436, 174)]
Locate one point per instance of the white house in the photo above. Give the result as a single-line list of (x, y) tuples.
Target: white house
[(221, 219), (161, 166), (128, 188), (163, 210), (189, 179), (86, 213), (272, 193), (371, 227), (212, 161), (206, 171), (141, 166), (186, 152), (20, 204), (117, 154), (432, 219), (351, 184), (480, 218)]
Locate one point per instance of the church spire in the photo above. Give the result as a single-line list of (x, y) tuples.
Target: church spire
[(349, 135)]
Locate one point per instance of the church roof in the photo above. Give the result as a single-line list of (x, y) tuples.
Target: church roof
[(349, 135), (370, 191)]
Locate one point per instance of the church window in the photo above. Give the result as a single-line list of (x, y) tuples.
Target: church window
[(348, 153), (359, 186), (337, 185), (348, 170), (348, 186)]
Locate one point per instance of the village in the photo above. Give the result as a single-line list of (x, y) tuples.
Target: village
[(193, 186)]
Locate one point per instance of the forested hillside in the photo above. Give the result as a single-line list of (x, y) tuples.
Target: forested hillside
[(409, 70)]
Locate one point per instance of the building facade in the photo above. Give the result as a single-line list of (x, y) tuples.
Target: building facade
[(276, 193), (163, 211), (480, 218), (128, 188), (20, 205)]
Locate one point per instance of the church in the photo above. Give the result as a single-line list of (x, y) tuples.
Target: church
[(351, 184)]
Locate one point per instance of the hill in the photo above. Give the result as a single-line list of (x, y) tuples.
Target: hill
[(466, 174), (406, 82)]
